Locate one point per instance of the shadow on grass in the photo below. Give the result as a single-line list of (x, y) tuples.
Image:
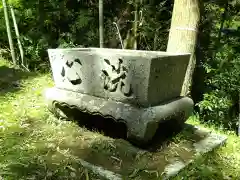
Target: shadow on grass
[(28, 152), (120, 156), (118, 130), (10, 79), (115, 154), (51, 149)]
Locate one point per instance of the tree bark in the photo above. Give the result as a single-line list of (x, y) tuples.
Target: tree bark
[(183, 34), (10, 40), (135, 27), (101, 32)]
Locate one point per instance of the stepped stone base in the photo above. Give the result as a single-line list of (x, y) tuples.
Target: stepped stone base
[(141, 122)]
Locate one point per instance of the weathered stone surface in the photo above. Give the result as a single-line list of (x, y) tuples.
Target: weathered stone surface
[(143, 78), (142, 123)]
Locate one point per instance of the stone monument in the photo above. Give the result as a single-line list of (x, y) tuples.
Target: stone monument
[(139, 88)]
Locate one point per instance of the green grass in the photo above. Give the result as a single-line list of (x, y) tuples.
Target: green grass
[(222, 163), (36, 145), (29, 135)]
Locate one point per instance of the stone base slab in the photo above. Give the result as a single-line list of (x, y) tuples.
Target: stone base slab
[(207, 142), (141, 123)]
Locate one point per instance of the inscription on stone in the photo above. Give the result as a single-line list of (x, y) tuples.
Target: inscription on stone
[(70, 74), (115, 78)]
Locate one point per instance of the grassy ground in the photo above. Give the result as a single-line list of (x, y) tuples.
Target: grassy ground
[(35, 145)]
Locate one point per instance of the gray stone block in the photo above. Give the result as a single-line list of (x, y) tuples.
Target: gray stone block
[(142, 78), (140, 88)]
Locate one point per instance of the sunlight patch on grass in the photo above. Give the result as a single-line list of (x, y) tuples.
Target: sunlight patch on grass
[(30, 136)]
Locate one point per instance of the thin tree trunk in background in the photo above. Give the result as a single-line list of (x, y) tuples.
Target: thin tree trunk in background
[(183, 34), (23, 64), (9, 32), (135, 27), (101, 33)]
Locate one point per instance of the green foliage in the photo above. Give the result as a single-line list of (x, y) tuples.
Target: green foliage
[(47, 24), (214, 107), (154, 27), (220, 64)]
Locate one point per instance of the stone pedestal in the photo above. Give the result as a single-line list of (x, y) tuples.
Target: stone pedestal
[(141, 123), (140, 88)]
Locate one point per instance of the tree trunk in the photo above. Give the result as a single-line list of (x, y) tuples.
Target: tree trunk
[(23, 63), (135, 27), (101, 33), (10, 40), (183, 34)]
